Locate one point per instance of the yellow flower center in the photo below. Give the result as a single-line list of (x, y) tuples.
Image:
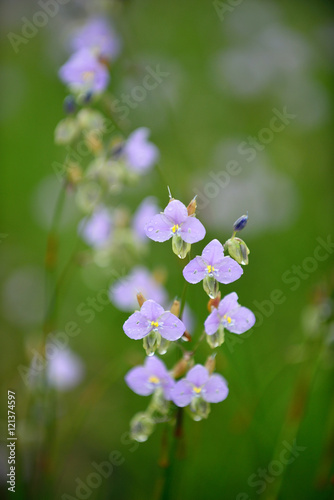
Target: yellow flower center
[(210, 269), (197, 389), (155, 324), (227, 318), (154, 380), (88, 75), (175, 228)]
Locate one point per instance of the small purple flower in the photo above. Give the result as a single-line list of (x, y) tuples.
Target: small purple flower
[(146, 210), (123, 293), (144, 380), (175, 221), (199, 384), (83, 72), (65, 369), (140, 154), (153, 318), (213, 263), (96, 230), (230, 315), (98, 36)]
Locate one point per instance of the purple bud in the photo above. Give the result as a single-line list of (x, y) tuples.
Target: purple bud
[(240, 223), (69, 105)]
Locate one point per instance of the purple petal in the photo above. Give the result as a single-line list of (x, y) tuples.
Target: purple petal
[(195, 271), (159, 228), (213, 253), (138, 380), (228, 303), (182, 393), (198, 375), (144, 213), (151, 310), (242, 320), (212, 322), (156, 367), (139, 152), (170, 327), (137, 326), (192, 230), (177, 212), (83, 71), (227, 270), (215, 390)]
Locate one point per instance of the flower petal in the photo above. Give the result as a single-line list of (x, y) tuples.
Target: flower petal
[(213, 252), (182, 393), (138, 380), (137, 326), (242, 320), (195, 271), (227, 270), (215, 390), (212, 322), (198, 375), (228, 303), (192, 230), (159, 228), (176, 211), (156, 367), (170, 327), (151, 310)]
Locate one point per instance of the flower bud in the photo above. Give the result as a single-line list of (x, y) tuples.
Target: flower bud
[(186, 337), (240, 223), (180, 247), (238, 250), (93, 142), (74, 173), (163, 346), (141, 427), (69, 105), (140, 298), (210, 363), (88, 196), (216, 339), (199, 409), (180, 368), (151, 342), (211, 286), (66, 131), (214, 303), (175, 309), (158, 406), (191, 208)]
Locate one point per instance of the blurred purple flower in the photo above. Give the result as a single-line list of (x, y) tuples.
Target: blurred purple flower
[(65, 369), (140, 154), (230, 315), (146, 210), (144, 380), (98, 36), (153, 317), (213, 263), (199, 384), (96, 229), (175, 221), (123, 293), (83, 72)]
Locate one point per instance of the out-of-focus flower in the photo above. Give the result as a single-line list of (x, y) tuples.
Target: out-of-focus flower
[(198, 383), (212, 267), (98, 36), (123, 292), (145, 380), (140, 154), (83, 72), (146, 210), (230, 315), (65, 369), (153, 317), (96, 229)]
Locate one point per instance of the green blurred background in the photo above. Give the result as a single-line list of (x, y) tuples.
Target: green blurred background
[(229, 67)]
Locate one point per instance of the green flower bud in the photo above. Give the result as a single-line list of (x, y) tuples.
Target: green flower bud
[(66, 131), (151, 342), (211, 286), (91, 120), (238, 250), (199, 409), (141, 427), (180, 247), (158, 406), (216, 339), (163, 347), (88, 196)]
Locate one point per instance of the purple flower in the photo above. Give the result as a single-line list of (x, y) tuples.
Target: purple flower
[(144, 380), (213, 263), (199, 384), (65, 369), (83, 72), (140, 154), (146, 210), (96, 230), (123, 293), (175, 221), (98, 36), (153, 318), (230, 315)]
